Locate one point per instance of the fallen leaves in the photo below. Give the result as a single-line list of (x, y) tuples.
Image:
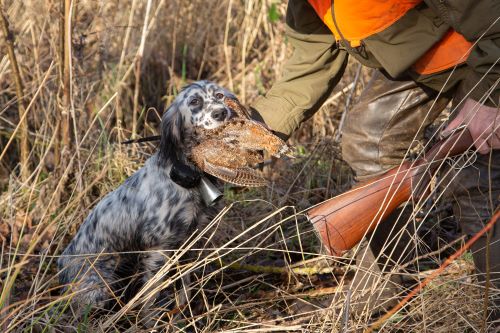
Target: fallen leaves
[(22, 229)]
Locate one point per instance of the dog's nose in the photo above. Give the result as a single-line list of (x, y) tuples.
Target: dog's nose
[(219, 114)]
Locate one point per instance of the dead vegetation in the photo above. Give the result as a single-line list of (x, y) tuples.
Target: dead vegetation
[(93, 73)]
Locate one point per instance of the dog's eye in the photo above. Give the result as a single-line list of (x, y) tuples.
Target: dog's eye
[(194, 102), (219, 95)]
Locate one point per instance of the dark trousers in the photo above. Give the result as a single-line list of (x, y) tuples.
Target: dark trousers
[(390, 118)]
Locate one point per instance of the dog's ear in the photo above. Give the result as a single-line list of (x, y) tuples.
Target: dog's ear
[(172, 133)]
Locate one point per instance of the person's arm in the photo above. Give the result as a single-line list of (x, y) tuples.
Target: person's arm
[(484, 62), (478, 22), (309, 76), (483, 123), (483, 82), (480, 111)]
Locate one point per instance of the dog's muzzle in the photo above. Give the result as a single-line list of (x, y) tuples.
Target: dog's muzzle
[(220, 114)]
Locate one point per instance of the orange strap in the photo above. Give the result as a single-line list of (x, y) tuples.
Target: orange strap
[(360, 19), (451, 50)]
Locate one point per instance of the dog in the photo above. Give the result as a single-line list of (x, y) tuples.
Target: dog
[(148, 212)]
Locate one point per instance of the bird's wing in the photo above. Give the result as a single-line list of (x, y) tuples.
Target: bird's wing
[(227, 163), (218, 152), (243, 176), (253, 135)]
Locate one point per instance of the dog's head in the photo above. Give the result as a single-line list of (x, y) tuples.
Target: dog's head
[(199, 104)]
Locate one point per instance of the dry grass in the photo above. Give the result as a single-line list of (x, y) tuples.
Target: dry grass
[(257, 266)]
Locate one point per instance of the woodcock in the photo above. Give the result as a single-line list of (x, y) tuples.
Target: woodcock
[(231, 151)]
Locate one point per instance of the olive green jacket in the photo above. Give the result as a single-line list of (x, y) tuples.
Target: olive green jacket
[(318, 62)]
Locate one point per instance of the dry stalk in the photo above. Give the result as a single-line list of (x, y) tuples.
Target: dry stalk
[(119, 111), (138, 64), (246, 24), (227, 50), (435, 273), (67, 114), (63, 118), (11, 278), (348, 103), (4, 151), (312, 270), (21, 107)]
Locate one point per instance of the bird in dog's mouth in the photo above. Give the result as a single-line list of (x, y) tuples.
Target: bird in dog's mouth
[(231, 151)]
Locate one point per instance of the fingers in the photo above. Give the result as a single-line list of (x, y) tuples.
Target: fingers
[(483, 123), (487, 140), (456, 122), (482, 146)]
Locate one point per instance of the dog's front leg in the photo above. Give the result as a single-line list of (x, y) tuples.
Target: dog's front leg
[(89, 280), (160, 298)]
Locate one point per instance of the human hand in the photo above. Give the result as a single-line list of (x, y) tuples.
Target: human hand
[(259, 115), (483, 123)]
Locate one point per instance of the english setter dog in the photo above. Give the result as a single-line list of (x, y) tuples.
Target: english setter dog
[(148, 212)]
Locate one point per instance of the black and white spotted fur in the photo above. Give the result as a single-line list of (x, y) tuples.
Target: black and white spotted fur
[(147, 212)]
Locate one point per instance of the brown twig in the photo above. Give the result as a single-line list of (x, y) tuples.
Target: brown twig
[(315, 292), (285, 270), (431, 254), (28, 108), (227, 50), (21, 107), (348, 103), (436, 273), (137, 69), (66, 77), (126, 39), (63, 119)]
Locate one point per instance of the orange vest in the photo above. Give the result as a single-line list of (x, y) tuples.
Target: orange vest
[(359, 19)]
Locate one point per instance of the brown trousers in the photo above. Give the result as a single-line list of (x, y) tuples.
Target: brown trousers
[(391, 117)]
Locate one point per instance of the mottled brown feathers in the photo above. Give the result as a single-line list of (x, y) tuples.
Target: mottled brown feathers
[(231, 151)]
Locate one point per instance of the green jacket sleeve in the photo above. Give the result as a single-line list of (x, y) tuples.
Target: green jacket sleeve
[(309, 76), (484, 78), (478, 21)]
